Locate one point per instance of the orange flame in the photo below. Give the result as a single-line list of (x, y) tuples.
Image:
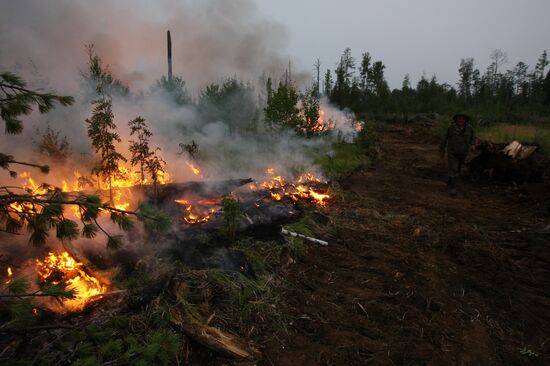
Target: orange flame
[(194, 169), (30, 185), (10, 273), (199, 212), (279, 188), (55, 269), (122, 199)]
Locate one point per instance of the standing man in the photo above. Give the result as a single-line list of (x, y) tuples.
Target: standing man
[(458, 140)]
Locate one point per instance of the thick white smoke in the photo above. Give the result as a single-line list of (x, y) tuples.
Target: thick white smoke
[(212, 40)]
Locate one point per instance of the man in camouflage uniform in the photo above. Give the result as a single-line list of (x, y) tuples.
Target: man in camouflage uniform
[(459, 139)]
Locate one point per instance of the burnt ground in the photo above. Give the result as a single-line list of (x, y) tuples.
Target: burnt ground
[(414, 277)]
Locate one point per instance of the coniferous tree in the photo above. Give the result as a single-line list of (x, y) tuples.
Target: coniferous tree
[(521, 81), (466, 71), (103, 135), (310, 107), (328, 83), (140, 149), (176, 89), (317, 82), (232, 101), (155, 166), (100, 77), (546, 89), (364, 72), (378, 81), (537, 78), (341, 93), (282, 111), (406, 84), (52, 146)]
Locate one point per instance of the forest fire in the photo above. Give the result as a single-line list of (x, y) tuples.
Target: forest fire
[(122, 199), (63, 268), (322, 124), (304, 188), (10, 274), (201, 211), (300, 189), (194, 169)]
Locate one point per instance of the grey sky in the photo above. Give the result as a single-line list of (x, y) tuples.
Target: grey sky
[(413, 36)]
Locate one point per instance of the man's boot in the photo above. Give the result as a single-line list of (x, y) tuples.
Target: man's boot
[(452, 186)]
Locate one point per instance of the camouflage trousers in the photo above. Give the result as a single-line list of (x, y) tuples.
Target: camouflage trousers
[(454, 164)]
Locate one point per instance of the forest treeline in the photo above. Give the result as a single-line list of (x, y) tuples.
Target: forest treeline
[(362, 87)]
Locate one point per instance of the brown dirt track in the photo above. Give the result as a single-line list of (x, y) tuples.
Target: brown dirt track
[(414, 277)]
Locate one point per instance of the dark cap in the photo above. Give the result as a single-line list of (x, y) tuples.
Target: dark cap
[(466, 117)]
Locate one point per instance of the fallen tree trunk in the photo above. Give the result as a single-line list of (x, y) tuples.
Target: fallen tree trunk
[(214, 339)]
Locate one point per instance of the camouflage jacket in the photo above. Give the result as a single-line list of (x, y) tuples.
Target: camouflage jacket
[(458, 141)]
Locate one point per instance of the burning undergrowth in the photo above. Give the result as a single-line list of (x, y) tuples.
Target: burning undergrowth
[(255, 195), (191, 162), (224, 262), (197, 236), (64, 269)]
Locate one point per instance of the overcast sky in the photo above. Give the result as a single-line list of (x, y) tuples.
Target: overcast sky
[(413, 36)]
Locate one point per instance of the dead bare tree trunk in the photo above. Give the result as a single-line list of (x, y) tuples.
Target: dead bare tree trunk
[(169, 40)]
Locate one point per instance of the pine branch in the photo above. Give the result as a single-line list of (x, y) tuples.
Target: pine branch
[(43, 168), (76, 202)]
